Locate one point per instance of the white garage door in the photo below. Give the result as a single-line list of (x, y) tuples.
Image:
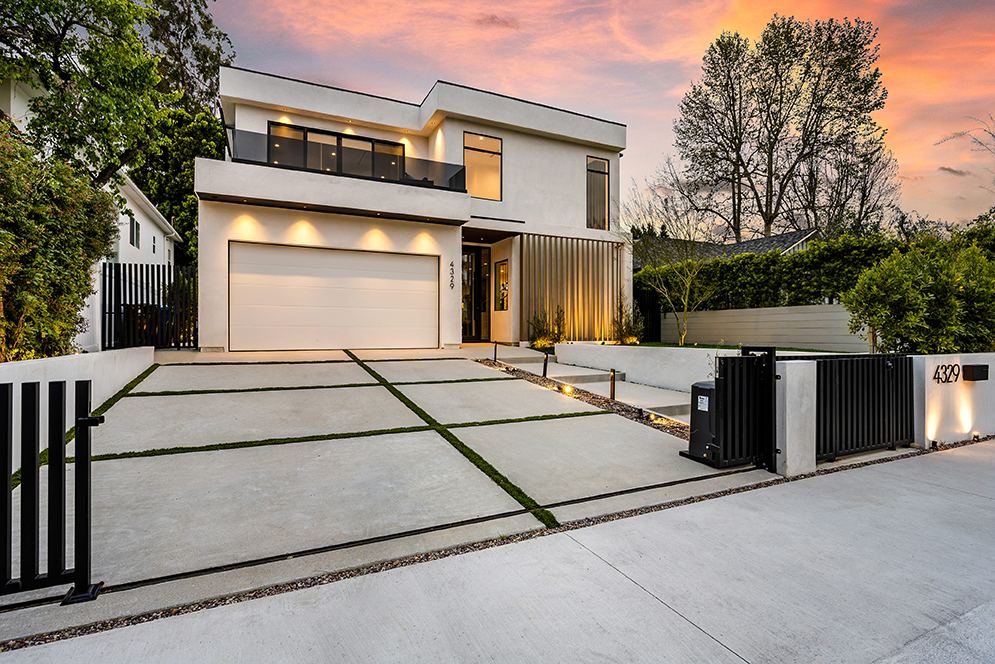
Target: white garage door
[(298, 298)]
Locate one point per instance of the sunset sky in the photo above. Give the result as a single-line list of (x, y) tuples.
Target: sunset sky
[(632, 62)]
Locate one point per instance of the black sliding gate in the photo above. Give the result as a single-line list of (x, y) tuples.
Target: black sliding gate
[(148, 305), (863, 403), (29, 576)]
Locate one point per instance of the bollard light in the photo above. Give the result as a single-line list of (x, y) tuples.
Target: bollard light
[(976, 436), (567, 389)]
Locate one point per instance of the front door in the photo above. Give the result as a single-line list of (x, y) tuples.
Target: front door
[(476, 275)]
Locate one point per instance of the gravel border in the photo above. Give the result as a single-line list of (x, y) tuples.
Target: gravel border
[(406, 561), (650, 419)]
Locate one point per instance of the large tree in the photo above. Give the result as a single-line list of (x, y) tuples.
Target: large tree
[(165, 173), (100, 106), (804, 93), (53, 227)]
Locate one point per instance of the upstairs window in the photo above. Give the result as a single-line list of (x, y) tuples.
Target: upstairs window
[(135, 234), (346, 154), (597, 193), (482, 159)]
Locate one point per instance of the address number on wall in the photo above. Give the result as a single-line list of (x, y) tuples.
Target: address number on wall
[(946, 373), (452, 275)]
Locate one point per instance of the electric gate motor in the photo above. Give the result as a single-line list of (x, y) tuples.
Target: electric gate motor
[(702, 445)]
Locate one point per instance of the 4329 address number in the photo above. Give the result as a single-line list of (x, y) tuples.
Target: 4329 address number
[(946, 373)]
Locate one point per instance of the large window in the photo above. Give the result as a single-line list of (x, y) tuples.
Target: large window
[(482, 158), (326, 151), (597, 193)]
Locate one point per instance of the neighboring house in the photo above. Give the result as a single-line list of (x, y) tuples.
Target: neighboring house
[(346, 220), (788, 243), (145, 236)]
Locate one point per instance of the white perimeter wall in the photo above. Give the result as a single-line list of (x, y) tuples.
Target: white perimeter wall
[(951, 412), (220, 223), (816, 327), (109, 372)]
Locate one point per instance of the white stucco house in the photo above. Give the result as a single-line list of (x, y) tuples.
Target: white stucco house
[(345, 220)]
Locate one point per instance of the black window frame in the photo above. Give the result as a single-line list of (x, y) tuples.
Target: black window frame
[(607, 174), (338, 143), (500, 154)]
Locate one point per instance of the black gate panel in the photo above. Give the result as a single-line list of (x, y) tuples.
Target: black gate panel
[(744, 403), (149, 305)]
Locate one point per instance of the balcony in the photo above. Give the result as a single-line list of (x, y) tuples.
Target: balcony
[(299, 148)]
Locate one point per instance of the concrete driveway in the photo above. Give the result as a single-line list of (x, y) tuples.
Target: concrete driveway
[(219, 474)]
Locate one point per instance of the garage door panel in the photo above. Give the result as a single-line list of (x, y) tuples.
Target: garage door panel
[(340, 299), (304, 298)]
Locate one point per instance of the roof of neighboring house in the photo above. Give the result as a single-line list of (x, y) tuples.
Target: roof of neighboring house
[(136, 198), (761, 245), (784, 242)]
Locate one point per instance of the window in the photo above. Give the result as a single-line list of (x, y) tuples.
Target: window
[(597, 193), (501, 286), (135, 234), (318, 150), (482, 159), (153, 244)]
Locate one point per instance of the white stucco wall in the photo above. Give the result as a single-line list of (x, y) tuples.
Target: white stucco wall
[(223, 222), (108, 372), (953, 411)]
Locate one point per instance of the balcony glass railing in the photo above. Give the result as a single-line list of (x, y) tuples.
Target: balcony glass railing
[(341, 155)]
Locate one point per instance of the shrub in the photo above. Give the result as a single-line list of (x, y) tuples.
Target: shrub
[(545, 331), (936, 298), (53, 227), (627, 323)]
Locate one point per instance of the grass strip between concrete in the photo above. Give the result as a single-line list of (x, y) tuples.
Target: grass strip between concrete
[(544, 516), (15, 478), (225, 364), (530, 418), (236, 445)]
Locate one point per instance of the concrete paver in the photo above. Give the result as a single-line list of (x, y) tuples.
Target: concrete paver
[(871, 564), (405, 371), (451, 403), (173, 356), (470, 351), (564, 459), (197, 510), (244, 376), (143, 423)]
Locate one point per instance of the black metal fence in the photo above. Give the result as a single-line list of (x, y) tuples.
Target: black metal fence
[(863, 403), (744, 408), (29, 577), (148, 305)]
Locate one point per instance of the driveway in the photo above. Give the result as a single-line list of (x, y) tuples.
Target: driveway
[(214, 477)]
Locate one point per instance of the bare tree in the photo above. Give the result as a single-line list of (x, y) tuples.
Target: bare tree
[(675, 239), (982, 139), (760, 114)]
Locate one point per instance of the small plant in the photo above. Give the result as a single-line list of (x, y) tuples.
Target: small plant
[(546, 331), (627, 324)]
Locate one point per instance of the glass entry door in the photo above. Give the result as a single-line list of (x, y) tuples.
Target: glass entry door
[(476, 276)]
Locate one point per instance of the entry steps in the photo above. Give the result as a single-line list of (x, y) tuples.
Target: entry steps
[(669, 403)]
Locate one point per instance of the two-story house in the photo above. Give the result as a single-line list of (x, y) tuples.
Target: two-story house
[(346, 220)]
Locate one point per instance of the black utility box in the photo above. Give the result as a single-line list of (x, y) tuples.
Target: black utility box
[(975, 371), (702, 445)]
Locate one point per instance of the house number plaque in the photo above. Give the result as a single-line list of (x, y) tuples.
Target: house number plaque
[(946, 373), (452, 275)]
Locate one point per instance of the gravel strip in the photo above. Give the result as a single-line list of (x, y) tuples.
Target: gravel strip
[(659, 422), (324, 579)]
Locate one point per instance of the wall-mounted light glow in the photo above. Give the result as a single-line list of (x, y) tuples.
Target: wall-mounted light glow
[(247, 228), (303, 232), (276, 145), (285, 120)]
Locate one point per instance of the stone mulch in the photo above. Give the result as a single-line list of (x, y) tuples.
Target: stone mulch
[(650, 419)]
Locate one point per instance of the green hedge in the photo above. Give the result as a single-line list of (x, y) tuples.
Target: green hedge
[(820, 273)]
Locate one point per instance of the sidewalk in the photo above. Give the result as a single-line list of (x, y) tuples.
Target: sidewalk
[(890, 563)]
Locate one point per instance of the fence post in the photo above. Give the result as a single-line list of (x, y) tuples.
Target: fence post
[(83, 590), (6, 513), (29, 483), (56, 479)]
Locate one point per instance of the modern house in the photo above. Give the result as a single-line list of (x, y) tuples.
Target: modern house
[(346, 220)]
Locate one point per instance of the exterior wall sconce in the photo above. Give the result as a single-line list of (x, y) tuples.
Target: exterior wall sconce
[(975, 372)]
